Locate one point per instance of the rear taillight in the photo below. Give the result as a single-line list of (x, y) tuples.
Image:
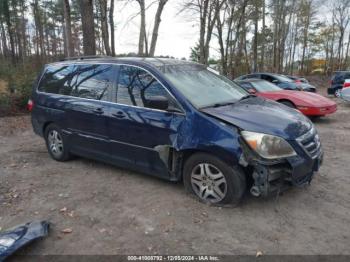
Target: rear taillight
[(346, 84), (30, 105), (298, 81)]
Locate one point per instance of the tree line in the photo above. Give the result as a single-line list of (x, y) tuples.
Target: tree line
[(291, 36)]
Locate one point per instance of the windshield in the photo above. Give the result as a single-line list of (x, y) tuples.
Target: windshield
[(283, 78), (202, 87), (264, 86)]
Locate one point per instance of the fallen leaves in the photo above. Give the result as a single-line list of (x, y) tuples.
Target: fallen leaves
[(66, 212), (67, 231)]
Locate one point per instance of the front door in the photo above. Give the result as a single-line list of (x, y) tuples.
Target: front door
[(140, 135)]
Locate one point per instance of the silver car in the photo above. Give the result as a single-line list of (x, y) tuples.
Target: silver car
[(345, 94)]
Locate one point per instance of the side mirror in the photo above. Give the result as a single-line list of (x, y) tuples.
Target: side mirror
[(275, 81), (157, 102), (251, 91)]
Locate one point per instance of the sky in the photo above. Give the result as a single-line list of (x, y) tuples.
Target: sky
[(177, 32)]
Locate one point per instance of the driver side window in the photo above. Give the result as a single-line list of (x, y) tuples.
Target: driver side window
[(136, 87)]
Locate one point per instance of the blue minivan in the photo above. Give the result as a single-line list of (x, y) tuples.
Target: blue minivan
[(176, 120)]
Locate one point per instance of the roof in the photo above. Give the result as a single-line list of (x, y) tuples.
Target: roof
[(152, 61), (250, 80)]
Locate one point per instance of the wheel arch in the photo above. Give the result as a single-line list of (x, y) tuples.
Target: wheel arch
[(45, 125), (226, 156), (286, 100)]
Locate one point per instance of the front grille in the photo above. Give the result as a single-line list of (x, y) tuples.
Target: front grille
[(311, 143)]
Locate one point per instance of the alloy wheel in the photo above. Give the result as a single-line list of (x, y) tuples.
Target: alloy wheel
[(208, 182), (55, 143)]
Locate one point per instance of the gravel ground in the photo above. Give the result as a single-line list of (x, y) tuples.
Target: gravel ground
[(108, 210)]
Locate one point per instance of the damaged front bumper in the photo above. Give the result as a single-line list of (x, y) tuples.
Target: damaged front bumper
[(15, 238), (273, 176)]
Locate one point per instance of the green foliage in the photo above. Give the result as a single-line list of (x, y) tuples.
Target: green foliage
[(194, 56), (19, 81)]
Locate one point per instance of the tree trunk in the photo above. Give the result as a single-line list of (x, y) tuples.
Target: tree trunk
[(39, 27), (9, 30), (111, 24), (68, 28), (347, 53), (255, 48), (157, 20), (87, 20), (104, 26), (262, 63), (219, 28), (203, 21), (142, 36)]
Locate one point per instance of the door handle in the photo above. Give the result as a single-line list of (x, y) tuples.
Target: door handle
[(119, 114), (98, 110)]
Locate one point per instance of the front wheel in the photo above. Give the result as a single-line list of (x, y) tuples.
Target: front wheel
[(212, 180), (56, 144), (337, 92)]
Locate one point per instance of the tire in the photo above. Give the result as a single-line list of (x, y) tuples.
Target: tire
[(287, 103), (205, 174), (337, 92), (56, 143)]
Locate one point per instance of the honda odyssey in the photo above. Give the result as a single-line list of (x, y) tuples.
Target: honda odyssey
[(176, 120)]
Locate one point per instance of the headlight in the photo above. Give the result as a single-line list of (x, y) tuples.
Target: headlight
[(268, 146)]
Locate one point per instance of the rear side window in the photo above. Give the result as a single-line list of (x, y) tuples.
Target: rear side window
[(92, 81), (85, 81), (57, 79)]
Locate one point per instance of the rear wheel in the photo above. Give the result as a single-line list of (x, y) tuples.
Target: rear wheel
[(56, 144), (212, 180), (287, 103), (337, 92)]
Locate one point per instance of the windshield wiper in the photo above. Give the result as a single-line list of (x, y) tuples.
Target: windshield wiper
[(219, 104)]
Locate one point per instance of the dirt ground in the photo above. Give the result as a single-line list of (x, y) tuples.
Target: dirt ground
[(113, 211)]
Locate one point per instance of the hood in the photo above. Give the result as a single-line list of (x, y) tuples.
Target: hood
[(264, 116), (302, 98), (311, 99)]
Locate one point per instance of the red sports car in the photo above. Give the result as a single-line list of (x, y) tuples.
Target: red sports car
[(309, 104)]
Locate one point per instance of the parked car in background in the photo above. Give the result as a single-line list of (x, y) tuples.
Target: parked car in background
[(298, 79), (280, 80), (346, 83), (337, 82), (175, 120), (345, 94), (308, 103)]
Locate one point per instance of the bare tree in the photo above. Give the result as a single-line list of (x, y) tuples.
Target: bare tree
[(342, 19), (104, 25), (208, 11), (157, 20), (68, 28), (87, 20), (142, 35), (111, 24)]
